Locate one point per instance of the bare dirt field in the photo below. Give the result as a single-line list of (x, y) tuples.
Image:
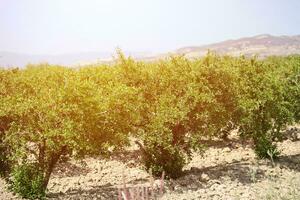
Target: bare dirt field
[(226, 171)]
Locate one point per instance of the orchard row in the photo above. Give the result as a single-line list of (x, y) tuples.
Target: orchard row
[(168, 106)]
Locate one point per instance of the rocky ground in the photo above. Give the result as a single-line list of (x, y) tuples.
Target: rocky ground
[(4, 193), (226, 171)]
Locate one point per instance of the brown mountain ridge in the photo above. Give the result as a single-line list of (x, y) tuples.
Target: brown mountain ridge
[(261, 45)]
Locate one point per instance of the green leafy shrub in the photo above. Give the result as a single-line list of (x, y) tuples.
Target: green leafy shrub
[(265, 102), (265, 148), (159, 158), (5, 119), (57, 112), (27, 181), (181, 101)]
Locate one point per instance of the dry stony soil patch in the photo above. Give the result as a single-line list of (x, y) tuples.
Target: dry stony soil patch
[(227, 171)]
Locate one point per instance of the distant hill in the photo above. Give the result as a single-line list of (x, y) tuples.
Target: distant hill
[(261, 45)]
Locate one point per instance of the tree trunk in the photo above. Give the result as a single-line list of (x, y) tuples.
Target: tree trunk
[(54, 158), (178, 132)]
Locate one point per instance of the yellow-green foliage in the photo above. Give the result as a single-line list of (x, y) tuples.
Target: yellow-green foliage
[(168, 105)]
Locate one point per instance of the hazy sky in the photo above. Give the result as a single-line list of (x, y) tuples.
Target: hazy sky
[(64, 26)]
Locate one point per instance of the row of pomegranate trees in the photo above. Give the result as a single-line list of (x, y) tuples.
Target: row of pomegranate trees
[(47, 112)]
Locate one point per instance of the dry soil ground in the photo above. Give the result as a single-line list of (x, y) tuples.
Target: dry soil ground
[(226, 171)]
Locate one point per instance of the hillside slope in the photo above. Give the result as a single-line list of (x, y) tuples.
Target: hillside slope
[(262, 45)]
